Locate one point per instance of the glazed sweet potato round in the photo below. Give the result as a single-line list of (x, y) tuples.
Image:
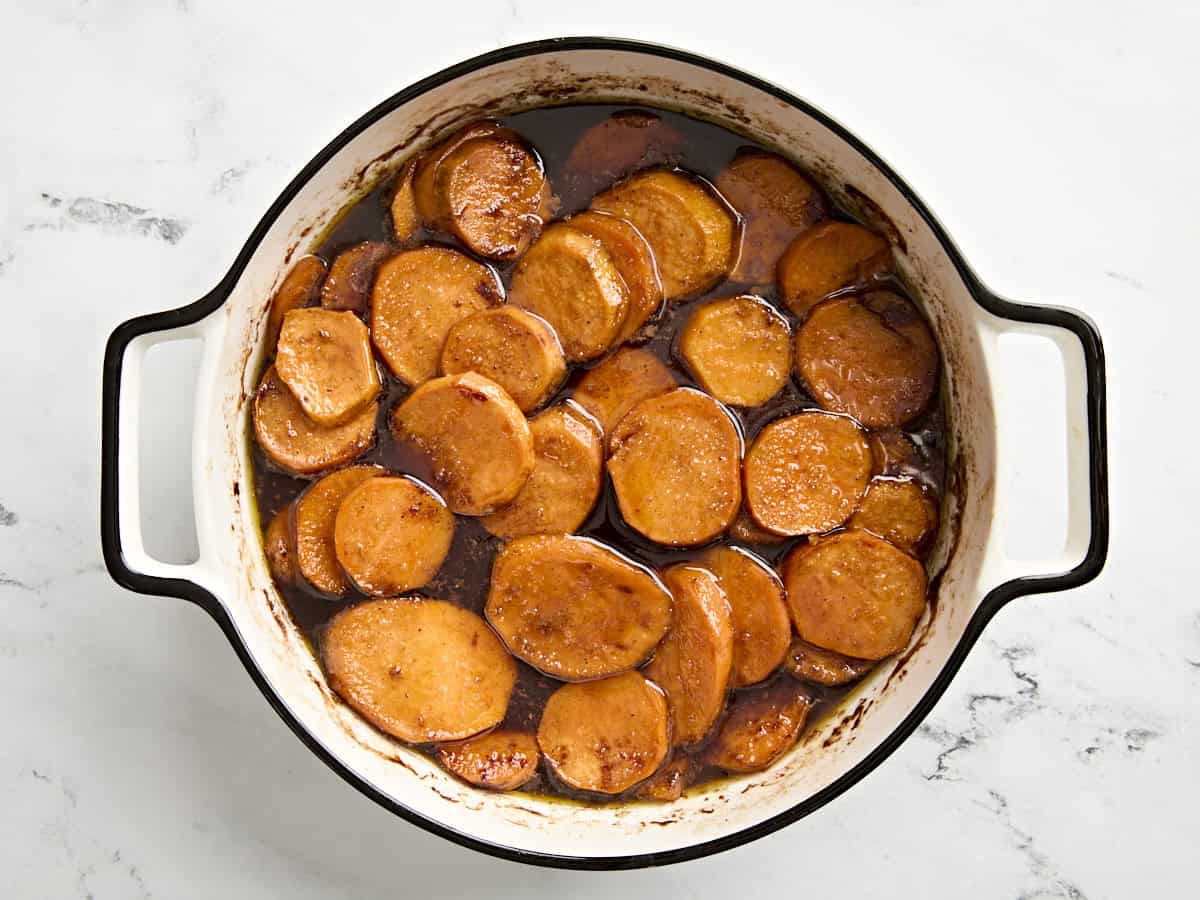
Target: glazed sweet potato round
[(817, 665), (739, 350), (626, 141), (500, 760), (299, 288), (758, 612), (280, 547), (634, 259), (620, 382), (762, 726), (827, 258), (313, 517), (348, 286), (899, 511), (324, 357)]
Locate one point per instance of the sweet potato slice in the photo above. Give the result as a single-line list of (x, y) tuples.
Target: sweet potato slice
[(299, 288), (391, 535), (762, 726), (406, 220), (516, 349), (670, 781), (500, 760), (855, 594), (325, 359), (827, 258), (573, 608), (776, 202), (295, 443), (806, 473), (899, 511), (280, 547), (476, 440), (429, 200), (568, 470), (692, 233), (675, 463), (693, 662), (634, 261), (348, 286), (570, 280), (420, 670), (894, 452), (607, 735), (626, 141), (619, 383), (418, 296), (872, 357), (739, 349), (493, 195), (762, 630), (313, 515), (820, 666)]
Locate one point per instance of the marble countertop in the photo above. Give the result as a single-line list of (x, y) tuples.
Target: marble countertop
[(141, 141)]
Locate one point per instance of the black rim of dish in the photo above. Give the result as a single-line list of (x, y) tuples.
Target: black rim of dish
[(1088, 569)]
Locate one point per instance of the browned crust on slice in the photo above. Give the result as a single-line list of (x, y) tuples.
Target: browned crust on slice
[(820, 666), (501, 760)]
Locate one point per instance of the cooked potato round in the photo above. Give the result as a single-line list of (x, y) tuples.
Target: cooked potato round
[(675, 463), (893, 452), (827, 258), (500, 760), (325, 359), (692, 233), (806, 473), (299, 288), (391, 535), (855, 594), (693, 662), (476, 440), (429, 199), (776, 203), (872, 357), (295, 443), (634, 261), (897, 511), (605, 735), (406, 220), (421, 670), (820, 666), (570, 280), (280, 547), (313, 516), (568, 470), (624, 142), (762, 726), (762, 630), (418, 296), (348, 286), (747, 531), (493, 195), (669, 782), (739, 349), (619, 383), (515, 349), (573, 608)]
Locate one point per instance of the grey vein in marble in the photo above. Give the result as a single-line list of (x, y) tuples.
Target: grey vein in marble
[(1047, 880), (8, 518), (110, 216)]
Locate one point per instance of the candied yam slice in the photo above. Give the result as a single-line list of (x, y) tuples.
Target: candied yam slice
[(899, 511), (670, 781), (280, 547), (351, 276), (429, 200), (827, 258), (607, 735), (500, 760), (419, 295), (515, 349), (693, 662), (692, 233), (570, 280), (806, 473), (609, 390), (675, 463), (634, 259), (739, 349), (299, 288), (313, 516), (324, 358), (762, 629), (872, 357), (626, 141), (406, 220), (855, 594), (420, 670), (391, 535), (777, 203), (894, 452), (475, 439), (573, 608), (295, 443), (762, 725), (824, 667), (568, 470)]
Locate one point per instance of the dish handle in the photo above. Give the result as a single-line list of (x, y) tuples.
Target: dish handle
[(1086, 546)]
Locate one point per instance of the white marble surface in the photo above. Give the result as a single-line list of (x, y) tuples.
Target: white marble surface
[(140, 141)]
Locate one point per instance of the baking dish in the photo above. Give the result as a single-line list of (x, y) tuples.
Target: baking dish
[(230, 578)]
